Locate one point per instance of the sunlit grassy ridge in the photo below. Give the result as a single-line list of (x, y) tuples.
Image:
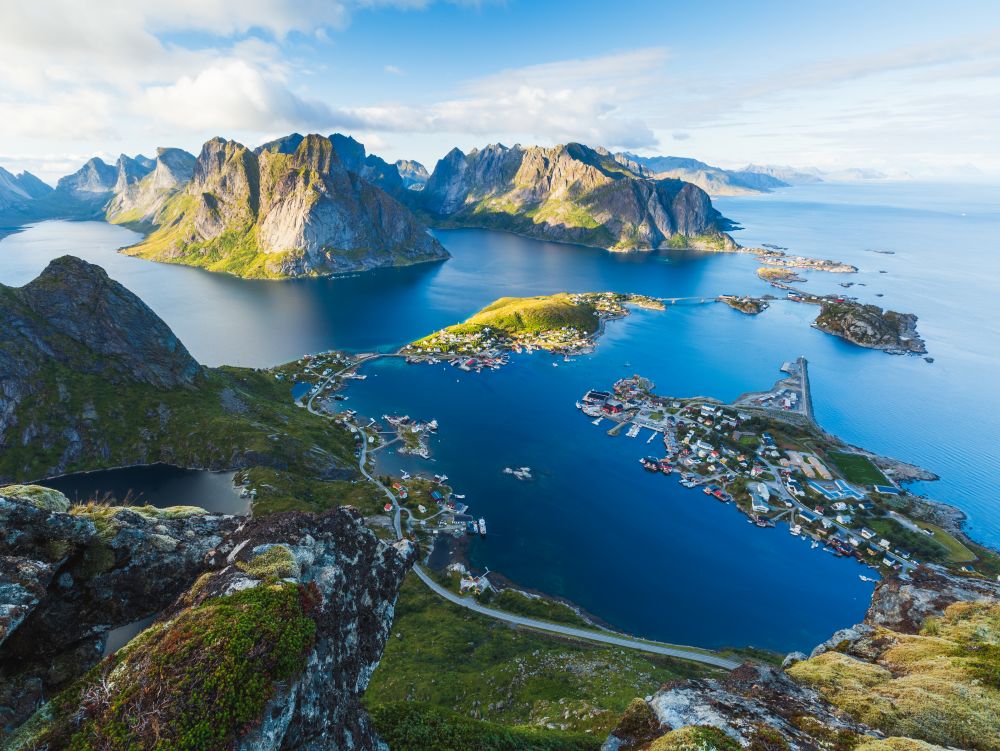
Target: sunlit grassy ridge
[(519, 315), (941, 686)]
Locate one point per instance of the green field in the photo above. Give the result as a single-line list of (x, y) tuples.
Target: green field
[(442, 655), (518, 315), (857, 468)]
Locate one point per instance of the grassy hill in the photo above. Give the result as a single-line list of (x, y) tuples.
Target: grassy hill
[(532, 315)]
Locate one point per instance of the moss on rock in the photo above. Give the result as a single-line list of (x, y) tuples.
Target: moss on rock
[(197, 681), (695, 738), (275, 562), (39, 497)]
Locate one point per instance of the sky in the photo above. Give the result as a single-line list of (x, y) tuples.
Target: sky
[(908, 88)]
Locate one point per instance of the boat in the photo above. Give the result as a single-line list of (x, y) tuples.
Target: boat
[(864, 578), (405, 475), (795, 529), (433, 425), (482, 527), (579, 405), (814, 545), (597, 421), (456, 495)]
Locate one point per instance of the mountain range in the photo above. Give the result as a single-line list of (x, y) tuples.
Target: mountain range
[(317, 205), (570, 193)]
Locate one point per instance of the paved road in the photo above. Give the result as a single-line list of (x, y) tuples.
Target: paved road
[(684, 653), (577, 633)]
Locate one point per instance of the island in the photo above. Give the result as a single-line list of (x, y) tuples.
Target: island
[(745, 304), (871, 326), (562, 323)]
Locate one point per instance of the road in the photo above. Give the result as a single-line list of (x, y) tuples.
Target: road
[(684, 653), (671, 650)]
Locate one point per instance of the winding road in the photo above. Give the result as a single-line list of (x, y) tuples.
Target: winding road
[(601, 637)]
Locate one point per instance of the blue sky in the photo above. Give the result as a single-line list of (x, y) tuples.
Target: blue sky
[(908, 88)]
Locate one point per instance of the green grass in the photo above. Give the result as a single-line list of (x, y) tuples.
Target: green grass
[(232, 417), (957, 552), (537, 607), (919, 545), (194, 683), (519, 315), (459, 661), (857, 468), (411, 726)]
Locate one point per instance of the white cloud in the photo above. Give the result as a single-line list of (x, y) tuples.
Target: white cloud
[(572, 100), (393, 70), (236, 96)]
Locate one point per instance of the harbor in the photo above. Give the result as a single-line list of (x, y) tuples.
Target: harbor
[(764, 455)]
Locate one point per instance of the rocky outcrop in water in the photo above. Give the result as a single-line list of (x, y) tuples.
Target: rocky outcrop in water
[(268, 629), (140, 199), (871, 326), (290, 209), (919, 673), (570, 193)]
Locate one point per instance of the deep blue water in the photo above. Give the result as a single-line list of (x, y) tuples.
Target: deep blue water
[(159, 485), (636, 549)]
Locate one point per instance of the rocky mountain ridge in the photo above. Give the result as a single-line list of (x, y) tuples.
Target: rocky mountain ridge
[(291, 208), (92, 378), (569, 193), (919, 673), (139, 199), (267, 630)]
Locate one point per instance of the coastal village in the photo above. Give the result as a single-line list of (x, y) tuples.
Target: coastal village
[(764, 455), (476, 345)]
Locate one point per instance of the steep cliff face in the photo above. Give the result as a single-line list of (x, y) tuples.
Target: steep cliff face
[(414, 174), (270, 647), (94, 181), (919, 673), (90, 377), (140, 200), (570, 193), (290, 209), (870, 326)]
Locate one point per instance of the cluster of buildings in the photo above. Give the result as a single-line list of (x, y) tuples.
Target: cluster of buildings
[(726, 451)]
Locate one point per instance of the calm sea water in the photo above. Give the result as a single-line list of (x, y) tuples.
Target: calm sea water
[(636, 549)]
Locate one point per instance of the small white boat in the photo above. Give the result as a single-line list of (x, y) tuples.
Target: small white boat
[(405, 475), (795, 529), (864, 578)]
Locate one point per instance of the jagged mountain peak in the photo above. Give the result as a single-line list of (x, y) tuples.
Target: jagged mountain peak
[(74, 313)]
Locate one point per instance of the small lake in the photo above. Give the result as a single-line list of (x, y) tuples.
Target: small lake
[(159, 485)]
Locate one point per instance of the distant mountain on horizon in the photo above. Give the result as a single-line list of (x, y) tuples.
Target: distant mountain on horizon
[(715, 181)]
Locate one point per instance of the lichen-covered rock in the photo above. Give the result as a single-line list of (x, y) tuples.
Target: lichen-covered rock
[(904, 604), (70, 575), (749, 700), (570, 193), (921, 672), (269, 649)]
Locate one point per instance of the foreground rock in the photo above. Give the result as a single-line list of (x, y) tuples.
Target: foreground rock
[(268, 648), (919, 673), (70, 575), (573, 194), (871, 326)]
